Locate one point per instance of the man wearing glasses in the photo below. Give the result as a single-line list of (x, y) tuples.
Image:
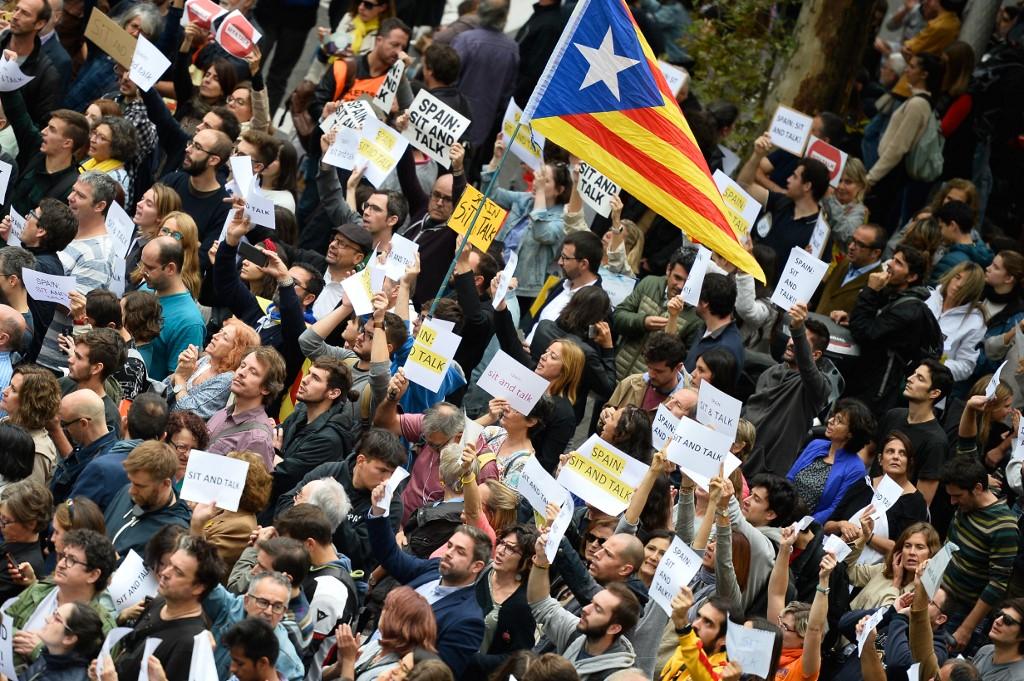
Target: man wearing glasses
[(843, 284), (81, 437), (349, 247), (267, 600)]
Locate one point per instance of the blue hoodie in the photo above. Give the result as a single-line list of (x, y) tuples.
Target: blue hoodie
[(977, 251)]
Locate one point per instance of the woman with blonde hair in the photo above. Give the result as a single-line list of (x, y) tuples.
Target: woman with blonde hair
[(882, 583), (202, 384), (156, 204), (844, 206), (956, 304), (182, 227)]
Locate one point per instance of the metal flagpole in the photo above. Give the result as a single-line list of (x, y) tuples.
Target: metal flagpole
[(472, 223)]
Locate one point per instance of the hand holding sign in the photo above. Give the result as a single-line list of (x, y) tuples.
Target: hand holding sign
[(491, 218), (236, 35), (800, 277), (212, 478), (790, 129), (148, 64)]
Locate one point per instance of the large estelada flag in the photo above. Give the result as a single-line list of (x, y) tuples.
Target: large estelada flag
[(603, 97)]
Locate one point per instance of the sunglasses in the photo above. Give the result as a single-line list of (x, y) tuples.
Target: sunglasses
[(590, 538), (1007, 620)]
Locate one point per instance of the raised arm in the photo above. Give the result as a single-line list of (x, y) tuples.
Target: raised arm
[(748, 173), (816, 619), (779, 581)]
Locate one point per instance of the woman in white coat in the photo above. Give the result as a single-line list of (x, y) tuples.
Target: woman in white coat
[(956, 304)]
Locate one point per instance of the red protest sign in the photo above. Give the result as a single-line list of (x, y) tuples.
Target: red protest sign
[(236, 35), (834, 159), (202, 13)]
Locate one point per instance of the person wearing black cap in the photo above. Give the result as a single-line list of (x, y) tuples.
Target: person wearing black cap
[(350, 246)]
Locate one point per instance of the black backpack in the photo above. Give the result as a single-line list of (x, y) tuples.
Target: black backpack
[(431, 526)]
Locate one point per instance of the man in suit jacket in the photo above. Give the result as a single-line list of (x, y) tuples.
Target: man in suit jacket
[(448, 583), (844, 282)]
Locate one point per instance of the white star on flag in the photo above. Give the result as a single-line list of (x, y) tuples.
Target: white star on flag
[(604, 64)]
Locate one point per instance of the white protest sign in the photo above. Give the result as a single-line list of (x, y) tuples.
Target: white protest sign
[(121, 229), (602, 475), (617, 286), (596, 189), (716, 408), (936, 567), (52, 288), (835, 545), (558, 527), (342, 152), (751, 649), (700, 451), (147, 651), (148, 64), (505, 377), (789, 130), (359, 291), (5, 179), (505, 279), (354, 114), (528, 144), (471, 432), (695, 280), (804, 523), (391, 485), (914, 672), (117, 277), (401, 256), (131, 582), (873, 621), (17, 228), (674, 76), (819, 238), (434, 127), (886, 494), (112, 639), (833, 159), (7, 647), (540, 489), (241, 173), (385, 97), (741, 208), (259, 207), (11, 76), (202, 667), (431, 355), (213, 478), (380, 147), (800, 277), (1018, 450), (677, 568), (993, 383), (663, 426)]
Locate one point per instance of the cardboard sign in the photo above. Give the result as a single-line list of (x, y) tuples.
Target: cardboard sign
[(751, 649), (602, 475), (700, 451), (833, 159), (213, 478), (241, 173), (202, 667), (596, 189), (385, 97), (663, 426), (131, 582), (430, 356), (7, 647), (800, 277), (354, 114), (695, 280), (148, 64), (5, 179), (111, 38), (873, 621), (342, 152), (121, 229), (719, 410), (401, 257), (790, 129), (391, 486), (677, 569), (505, 279), (741, 208), (932, 576), (528, 145), (819, 238), (674, 76), (202, 13), (236, 35), (380, 147), (835, 545), (11, 76), (114, 636), (434, 127), (487, 225), (17, 228), (49, 287), (505, 377), (471, 432)]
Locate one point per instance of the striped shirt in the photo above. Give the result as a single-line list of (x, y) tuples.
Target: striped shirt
[(981, 569)]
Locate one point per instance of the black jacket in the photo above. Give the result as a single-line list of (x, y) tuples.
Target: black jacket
[(537, 39), (598, 365), (42, 93), (514, 630)]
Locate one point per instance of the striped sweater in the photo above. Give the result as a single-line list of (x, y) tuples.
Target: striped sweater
[(981, 569)]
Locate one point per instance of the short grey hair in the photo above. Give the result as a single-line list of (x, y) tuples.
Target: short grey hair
[(278, 578), (450, 467), (330, 497), (104, 187), (445, 418), (151, 22), (13, 259), (493, 14)]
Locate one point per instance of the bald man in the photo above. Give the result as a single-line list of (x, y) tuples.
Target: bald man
[(12, 333), (80, 437)]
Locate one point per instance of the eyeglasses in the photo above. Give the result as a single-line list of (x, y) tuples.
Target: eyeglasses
[(195, 145), (1007, 620), (438, 196), (860, 244), (181, 449), (590, 538), (372, 208), (96, 136), (60, 620), (511, 548), (240, 101), (33, 214), (372, 5), (67, 424), (563, 256), (786, 627), (341, 243), (70, 560), (264, 604), (177, 236)]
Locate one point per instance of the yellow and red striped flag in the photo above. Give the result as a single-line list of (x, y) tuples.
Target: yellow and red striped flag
[(603, 97)]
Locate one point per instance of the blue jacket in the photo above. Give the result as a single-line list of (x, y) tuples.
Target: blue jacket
[(978, 252), (846, 471), (727, 337), (460, 623), (130, 527), (104, 476), (68, 470)]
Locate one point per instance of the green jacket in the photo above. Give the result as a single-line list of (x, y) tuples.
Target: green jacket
[(647, 299), (22, 608)]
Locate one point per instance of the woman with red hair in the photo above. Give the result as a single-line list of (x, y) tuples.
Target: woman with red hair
[(406, 625)]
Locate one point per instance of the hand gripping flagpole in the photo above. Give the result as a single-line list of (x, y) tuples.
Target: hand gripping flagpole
[(472, 223)]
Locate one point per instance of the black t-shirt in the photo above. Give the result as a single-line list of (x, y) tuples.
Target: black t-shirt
[(929, 440), (783, 165), (908, 509), (786, 232), (176, 641)]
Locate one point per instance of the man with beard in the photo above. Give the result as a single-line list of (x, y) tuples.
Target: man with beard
[(350, 246), (197, 183), (594, 640), (447, 583), (96, 355)]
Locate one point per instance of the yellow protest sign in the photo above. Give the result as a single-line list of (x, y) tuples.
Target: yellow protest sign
[(492, 217), (600, 477), (431, 361), (735, 206)]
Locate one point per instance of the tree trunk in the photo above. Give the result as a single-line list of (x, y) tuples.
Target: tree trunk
[(977, 23), (831, 36)]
